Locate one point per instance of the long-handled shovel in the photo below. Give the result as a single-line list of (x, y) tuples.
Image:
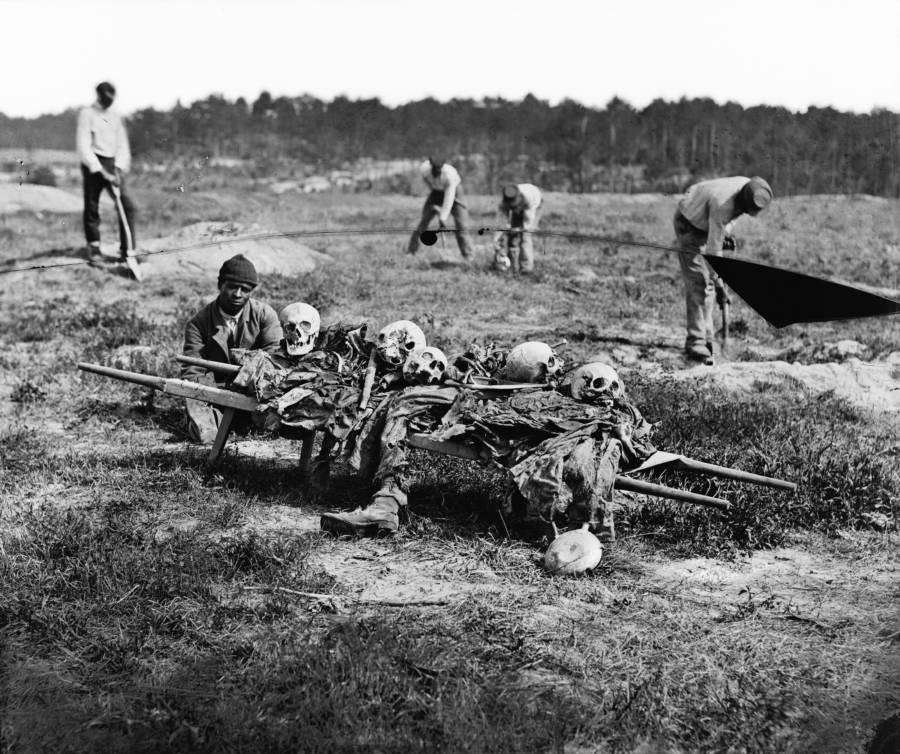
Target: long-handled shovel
[(130, 259)]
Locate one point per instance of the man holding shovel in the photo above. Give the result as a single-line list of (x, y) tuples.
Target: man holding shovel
[(102, 144), (703, 222), (445, 198)]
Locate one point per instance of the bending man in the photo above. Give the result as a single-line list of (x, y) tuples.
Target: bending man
[(703, 220), (519, 209), (444, 199)]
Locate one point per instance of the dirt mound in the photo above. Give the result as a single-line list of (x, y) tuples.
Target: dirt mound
[(873, 385), (201, 248), (28, 197)]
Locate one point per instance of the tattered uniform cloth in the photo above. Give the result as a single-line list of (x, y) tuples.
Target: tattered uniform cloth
[(562, 455)]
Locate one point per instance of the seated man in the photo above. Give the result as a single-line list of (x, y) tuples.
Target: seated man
[(231, 320)]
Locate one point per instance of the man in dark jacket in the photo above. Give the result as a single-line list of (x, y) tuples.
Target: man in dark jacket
[(231, 320)]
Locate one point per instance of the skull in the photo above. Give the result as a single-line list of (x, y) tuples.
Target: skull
[(573, 552), (532, 362), (425, 366), (300, 323), (595, 382), (397, 340)]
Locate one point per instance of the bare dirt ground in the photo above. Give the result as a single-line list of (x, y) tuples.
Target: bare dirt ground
[(792, 647)]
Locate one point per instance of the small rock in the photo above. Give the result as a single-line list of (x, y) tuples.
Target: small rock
[(170, 530)]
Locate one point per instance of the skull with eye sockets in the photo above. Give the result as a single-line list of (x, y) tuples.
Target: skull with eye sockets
[(300, 324), (425, 366), (595, 383), (396, 341)]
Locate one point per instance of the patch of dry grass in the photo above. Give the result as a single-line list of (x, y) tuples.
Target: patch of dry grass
[(144, 608)]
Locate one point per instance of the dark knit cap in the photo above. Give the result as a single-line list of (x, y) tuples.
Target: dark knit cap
[(239, 269)]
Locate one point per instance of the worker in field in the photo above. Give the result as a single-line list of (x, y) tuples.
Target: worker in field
[(231, 320), (514, 247), (445, 199), (703, 221), (102, 144)]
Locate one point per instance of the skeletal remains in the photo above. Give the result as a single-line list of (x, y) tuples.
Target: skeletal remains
[(300, 324), (397, 340), (402, 354), (595, 383), (425, 366), (532, 361)]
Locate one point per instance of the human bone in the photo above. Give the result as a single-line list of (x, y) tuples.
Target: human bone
[(595, 382), (425, 366), (397, 340), (573, 552), (532, 361), (300, 324)]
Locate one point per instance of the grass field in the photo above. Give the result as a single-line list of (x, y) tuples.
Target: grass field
[(151, 604)]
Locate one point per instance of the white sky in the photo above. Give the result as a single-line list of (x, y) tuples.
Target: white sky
[(793, 53)]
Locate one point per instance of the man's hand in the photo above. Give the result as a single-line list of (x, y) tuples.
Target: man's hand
[(111, 178)]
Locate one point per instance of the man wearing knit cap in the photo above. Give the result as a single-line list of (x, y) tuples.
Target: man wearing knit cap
[(704, 219), (231, 320), (514, 248)]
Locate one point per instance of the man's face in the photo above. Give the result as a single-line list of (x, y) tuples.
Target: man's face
[(233, 296), (105, 98)]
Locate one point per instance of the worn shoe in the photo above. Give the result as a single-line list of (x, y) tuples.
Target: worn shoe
[(700, 353), (93, 254), (378, 518)]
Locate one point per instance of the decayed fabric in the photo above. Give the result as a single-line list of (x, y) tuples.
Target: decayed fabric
[(562, 455)]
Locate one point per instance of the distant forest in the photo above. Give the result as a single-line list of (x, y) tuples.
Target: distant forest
[(567, 146)]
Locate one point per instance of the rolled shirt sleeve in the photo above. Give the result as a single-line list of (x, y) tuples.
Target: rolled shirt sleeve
[(84, 141)]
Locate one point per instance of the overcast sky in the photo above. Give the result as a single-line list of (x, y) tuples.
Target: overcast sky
[(793, 53)]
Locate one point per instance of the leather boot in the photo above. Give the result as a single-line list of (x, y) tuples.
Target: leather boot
[(379, 517)]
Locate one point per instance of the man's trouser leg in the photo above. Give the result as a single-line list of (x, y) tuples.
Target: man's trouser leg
[(699, 291), (460, 214), (526, 249), (202, 420), (93, 184), (428, 214)]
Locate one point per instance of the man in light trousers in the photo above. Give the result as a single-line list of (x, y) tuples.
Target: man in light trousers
[(703, 220), (514, 248), (445, 199)]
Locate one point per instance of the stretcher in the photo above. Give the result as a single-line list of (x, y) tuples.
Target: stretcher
[(230, 401)]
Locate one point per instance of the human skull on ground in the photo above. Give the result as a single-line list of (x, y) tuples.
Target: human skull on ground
[(573, 552), (532, 361), (300, 324), (425, 366), (595, 383), (397, 340)]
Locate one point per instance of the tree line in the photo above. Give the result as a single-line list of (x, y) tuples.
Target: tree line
[(567, 146)]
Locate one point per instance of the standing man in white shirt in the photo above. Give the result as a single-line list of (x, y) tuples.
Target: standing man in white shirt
[(445, 198), (703, 220), (102, 144), (514, 247)]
